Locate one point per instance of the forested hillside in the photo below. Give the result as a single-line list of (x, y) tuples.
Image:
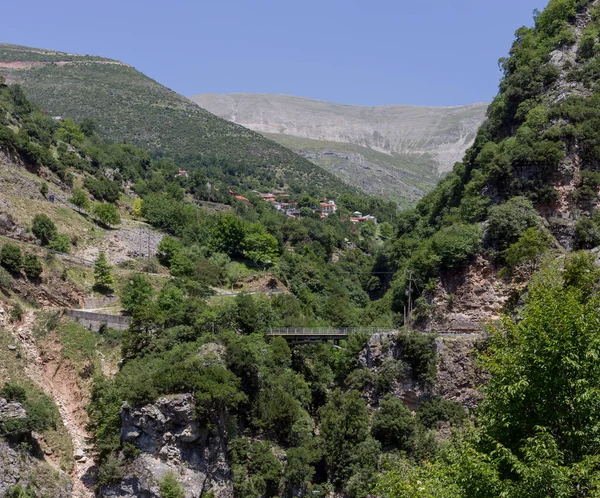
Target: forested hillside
[(520, 212), (481, 380), (129, 106)]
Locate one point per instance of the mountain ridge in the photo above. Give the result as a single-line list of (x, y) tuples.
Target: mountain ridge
[(401, 135)]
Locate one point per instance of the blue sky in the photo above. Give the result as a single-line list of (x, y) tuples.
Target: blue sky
[(421, 52)]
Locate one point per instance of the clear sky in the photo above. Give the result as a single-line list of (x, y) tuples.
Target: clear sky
[(368, 52)]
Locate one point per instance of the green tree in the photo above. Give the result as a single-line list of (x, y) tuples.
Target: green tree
[(43, 228), (167, 248), (506, 222), (137, 292), (44, 189), (455, 244), (106, 214), (136, 209), (528, 250), (80, 199), (261, 247), (32, 267), (11, 258), (69, 132), (344, 425), (393, 424), (103, 279), (227, 235), (386, 230), (368, 229)]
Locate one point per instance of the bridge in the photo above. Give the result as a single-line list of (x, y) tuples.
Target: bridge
[(303, 335)]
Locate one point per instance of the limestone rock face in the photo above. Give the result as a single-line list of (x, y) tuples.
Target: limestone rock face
[(18, 467), (171, 441), (457, 377), (11, 411)]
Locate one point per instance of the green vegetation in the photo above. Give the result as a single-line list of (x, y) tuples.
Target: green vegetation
[(41, 413), (80, 199), (106, 214), (129, 106), (546, 360), (170, 488), (11, 258), (103, 279)]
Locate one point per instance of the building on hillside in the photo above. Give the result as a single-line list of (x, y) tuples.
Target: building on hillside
[(238, 197), (267, 197), (328, 208), (182, 172), (361, 219)]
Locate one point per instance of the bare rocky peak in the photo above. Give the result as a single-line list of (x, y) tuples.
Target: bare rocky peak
[(443, 132)]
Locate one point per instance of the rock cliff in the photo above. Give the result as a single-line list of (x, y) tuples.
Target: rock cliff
[(171, 441)]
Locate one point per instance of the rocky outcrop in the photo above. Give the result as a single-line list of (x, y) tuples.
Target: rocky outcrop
[(18, 467), (467, 300), (457, 376), (11, 411), (171, 440)]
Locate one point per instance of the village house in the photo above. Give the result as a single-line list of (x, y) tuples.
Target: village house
[(267, 197), (328, 208), (182, 172)]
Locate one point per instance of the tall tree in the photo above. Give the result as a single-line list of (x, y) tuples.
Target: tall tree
[(103, 279)]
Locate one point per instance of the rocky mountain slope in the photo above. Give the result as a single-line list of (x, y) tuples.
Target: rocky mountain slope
[(393, 150), (128, 105)]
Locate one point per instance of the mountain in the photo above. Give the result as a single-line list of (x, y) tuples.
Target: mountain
[(395, 151), (129, 106)]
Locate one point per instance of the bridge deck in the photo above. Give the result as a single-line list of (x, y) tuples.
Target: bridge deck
[(301, 334)]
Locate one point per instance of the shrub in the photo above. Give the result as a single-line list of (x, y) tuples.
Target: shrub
[(32, 267), (59, 243), (16, 313), (5, 279), (456, 244), (167, 248), (80, 199), (431, 413), (170, 487), (532, 244), (44, 189), (11, 258), (587, 232), (506, 222), (107, 214), (393, 424), (388, 373), (43, 228), (418, 350)]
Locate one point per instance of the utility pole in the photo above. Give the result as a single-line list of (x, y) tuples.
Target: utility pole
[(410, 306)]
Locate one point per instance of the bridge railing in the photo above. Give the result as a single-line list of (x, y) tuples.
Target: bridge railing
[(327, 331)]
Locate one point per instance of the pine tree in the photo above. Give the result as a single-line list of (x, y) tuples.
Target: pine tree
[(102, 273)]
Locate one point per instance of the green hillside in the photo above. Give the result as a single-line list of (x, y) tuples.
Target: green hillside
[(129, 106)]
